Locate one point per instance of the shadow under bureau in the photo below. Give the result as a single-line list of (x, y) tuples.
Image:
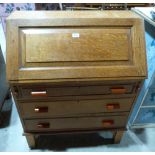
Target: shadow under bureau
[(75, 71)]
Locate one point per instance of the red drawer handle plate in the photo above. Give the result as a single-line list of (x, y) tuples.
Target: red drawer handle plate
[(107, 123), (112, 106), (118, 90)]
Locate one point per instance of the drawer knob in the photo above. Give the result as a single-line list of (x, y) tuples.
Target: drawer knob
[(43, 125), (39, 93), (112, 106), (118, 90), (107, 123), (41, 109)]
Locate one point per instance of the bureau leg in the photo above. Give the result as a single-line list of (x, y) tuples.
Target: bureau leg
[(118, 136), (30, 139)]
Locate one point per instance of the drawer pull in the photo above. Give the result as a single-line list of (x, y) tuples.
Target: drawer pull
[(107, 122), (39, 93), (41, 109), (111, 106), (118, 90), (43, 125)]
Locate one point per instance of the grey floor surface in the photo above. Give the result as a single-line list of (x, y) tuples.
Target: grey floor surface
[(11, 140)]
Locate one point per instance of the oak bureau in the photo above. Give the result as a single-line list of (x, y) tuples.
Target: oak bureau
[(75, 71)]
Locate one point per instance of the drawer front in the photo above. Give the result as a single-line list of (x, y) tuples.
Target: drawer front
[(45, 92), (73, 108), (79, 123)]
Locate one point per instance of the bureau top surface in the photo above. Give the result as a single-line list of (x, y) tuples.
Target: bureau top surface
[(71, 14), (69, 45)]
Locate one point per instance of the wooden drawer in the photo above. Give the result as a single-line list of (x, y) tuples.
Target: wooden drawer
[(73, 108), (40, 92), (75, 123)]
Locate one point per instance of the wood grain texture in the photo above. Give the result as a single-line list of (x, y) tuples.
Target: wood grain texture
[(75, 123), (76, 44), (73, 108), (30, 140), (75, 90), (118, 136), (118, 43), (70, 15), (75, 70)]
